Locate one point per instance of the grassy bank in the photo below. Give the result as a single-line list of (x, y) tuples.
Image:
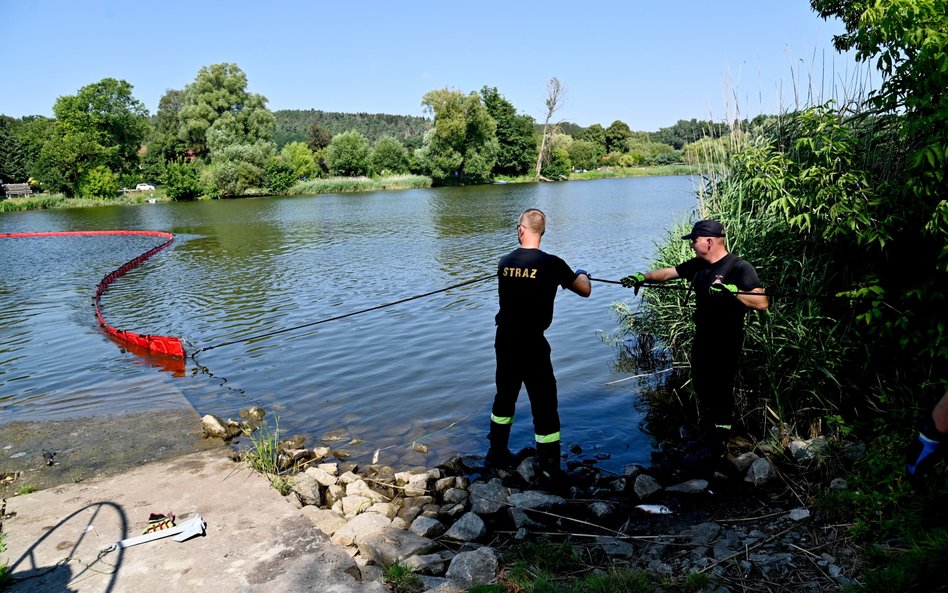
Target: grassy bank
[(55, 201), (651, 171), (333, 185)]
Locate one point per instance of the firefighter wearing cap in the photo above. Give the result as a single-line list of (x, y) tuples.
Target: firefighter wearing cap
[(725, 288), (527, 279)]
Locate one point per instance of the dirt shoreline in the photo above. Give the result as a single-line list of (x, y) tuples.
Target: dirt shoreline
[(89, 447)]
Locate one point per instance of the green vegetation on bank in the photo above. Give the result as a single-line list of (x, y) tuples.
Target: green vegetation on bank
[(841, 208)]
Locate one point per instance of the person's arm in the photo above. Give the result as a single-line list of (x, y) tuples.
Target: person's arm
[(757, 301), (581, 284), (661, 275)]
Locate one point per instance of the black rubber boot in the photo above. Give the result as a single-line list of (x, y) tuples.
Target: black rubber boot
[(549, 474), (499, 455)]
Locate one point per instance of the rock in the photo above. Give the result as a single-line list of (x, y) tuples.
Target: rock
[(426, 527), (601, 510), (213, 427), (452, 511), (331, 468), (469, 527), (360, 527), (632, 471), (444, 484), (320, 453), (360, 488), (645, 486), (743, 461), (616, 548), (324, 478), (522, 520), (387, 546), (839, 484), (383, 508), (807, 450), (439, 585), (528, 470), (689, 487), (454, 495), (334, 494), (760, 472), (704, 533), (417, 485), (408, 513), (307, 489), (325, 520), (252, 414), (535, 500), (799, 514), (454, 465), (431, 564), (487, 498), (474, 568), (347, 478), (354, 505)]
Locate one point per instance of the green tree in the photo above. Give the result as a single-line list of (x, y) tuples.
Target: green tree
[(219, 112), (617, 134), (280, 175), (585, 154), (389, 156), (101, 125), (181, 180), (319, 138), (595, 134), (686, 131), (516, 135), (99, 182), (301, 158), (462, 146), (348, 155)]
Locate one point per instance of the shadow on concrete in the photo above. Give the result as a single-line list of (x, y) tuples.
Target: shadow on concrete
[(32, 573)]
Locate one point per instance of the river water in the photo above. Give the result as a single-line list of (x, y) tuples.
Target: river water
[(420, 372)]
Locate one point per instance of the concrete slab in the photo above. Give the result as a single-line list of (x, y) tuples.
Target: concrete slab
[(255, 542)]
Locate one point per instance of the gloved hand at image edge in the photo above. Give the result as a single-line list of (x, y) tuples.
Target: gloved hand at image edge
[(582, 271)]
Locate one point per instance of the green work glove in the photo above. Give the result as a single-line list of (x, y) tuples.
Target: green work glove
[(633, 280), (721, 288)]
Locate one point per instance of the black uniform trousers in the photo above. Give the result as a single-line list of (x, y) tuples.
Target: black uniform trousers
[(524, 360)]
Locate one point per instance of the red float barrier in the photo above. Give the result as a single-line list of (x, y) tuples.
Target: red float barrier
[(164, 345)]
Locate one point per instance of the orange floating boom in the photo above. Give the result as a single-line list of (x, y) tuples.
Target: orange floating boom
[(164, 345)]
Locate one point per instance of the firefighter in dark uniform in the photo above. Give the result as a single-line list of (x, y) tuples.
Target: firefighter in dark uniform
[(527, 279), (725, 287)]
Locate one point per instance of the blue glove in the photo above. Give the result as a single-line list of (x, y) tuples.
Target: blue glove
[(924, 451), (721, 288), (581, 271)]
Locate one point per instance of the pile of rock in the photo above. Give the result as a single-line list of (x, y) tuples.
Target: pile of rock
[(450, 524)]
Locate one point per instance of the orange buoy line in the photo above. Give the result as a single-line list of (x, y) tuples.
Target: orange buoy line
[(164, 345)]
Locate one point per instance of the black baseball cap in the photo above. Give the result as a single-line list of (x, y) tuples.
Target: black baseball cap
[(705, 228)]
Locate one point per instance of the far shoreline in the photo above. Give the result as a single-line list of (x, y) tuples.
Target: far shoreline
[(46, 201)]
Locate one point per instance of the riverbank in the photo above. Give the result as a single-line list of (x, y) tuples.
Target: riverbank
[(329, 185), (749, 520)]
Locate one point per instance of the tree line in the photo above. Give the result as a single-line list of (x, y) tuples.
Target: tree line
[(214, 138)]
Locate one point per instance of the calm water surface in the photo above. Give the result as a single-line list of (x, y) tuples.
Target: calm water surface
[(421, 371)]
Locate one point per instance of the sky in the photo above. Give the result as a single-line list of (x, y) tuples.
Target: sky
[(648, 64)]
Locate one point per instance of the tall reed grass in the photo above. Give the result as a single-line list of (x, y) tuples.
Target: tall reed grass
[(334, 185)]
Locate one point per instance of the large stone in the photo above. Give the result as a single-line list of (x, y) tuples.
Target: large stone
[(387, 546), (322, 476), (445, 484), (616, 548), (307, 489), (743, 461), (810, 449), (645, 486), (383, 508), (469, 527), (522, 520), (760, 472), (417, 485), (489, 497), (360, 488), (474, 568), (426, 527), (432, 564), (535, 500), (354, 505), (360, 527), (704, 533), (334, 494), (213, 427), (454, 495), (325, 520)]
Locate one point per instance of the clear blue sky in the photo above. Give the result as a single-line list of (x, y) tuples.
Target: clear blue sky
[(648, 64)]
